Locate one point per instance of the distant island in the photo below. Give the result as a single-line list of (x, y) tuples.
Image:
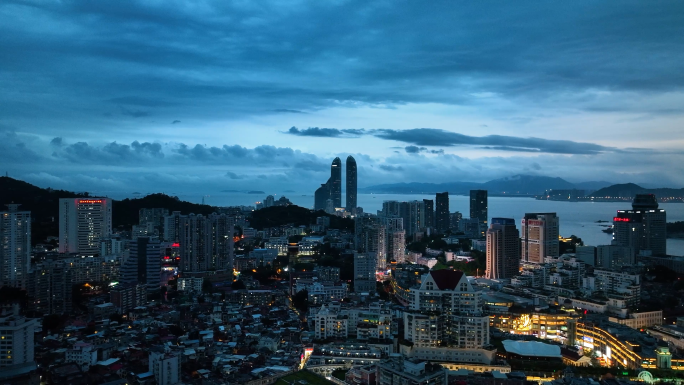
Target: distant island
[(627, 191), (535, 186), (256, 192)]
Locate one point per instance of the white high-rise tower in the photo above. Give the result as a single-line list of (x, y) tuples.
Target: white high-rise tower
[(83, 222)]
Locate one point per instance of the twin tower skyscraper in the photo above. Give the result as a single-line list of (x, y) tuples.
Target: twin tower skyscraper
[(328, 197)]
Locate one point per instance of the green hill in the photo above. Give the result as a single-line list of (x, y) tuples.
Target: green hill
[(126, 211), (299, 216)]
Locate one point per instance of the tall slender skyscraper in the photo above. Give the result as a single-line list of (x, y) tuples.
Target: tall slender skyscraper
[(540, 237), (350, 202), (442, 220), (83, 222), (503, 249), (479, 208), (336, 182), (332, 189), (15, 246)]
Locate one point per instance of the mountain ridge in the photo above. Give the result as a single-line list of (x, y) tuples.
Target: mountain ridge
[(519, 184)]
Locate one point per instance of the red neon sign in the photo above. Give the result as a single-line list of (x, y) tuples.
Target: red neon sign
[(90, 201), (618, 219), (175, 245)]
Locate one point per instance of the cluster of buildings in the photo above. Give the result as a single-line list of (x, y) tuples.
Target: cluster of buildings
[(392, 318), (92, 258), (639, 232), (233, 336)]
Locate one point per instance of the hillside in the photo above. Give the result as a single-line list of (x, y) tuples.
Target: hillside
[(44, 206)]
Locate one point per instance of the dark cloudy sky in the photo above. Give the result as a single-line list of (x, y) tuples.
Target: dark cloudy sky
[(209, 95)]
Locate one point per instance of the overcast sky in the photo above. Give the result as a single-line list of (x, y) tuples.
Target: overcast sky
[(212, 95)]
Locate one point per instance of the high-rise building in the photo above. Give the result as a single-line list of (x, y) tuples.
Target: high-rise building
[(51, 281), (371, 237), (50, 287), (206, 243), (643, 228), (390, 209), (586, 254), (15, 246), (396, 246), (128, 296), (17, 340), (83, 222), (417, 216), (412, 213), (479, 208), (352, 175), (540, 237), (321, 197), (172, 227), (503, 249), (428, 219), (470, 227), (442, 221), (396, 242), (614, 256), (112, 246), (455, 221), (336, 179), (155, 217), (143, 263), (332, 189), (446, 311), (364, 272)]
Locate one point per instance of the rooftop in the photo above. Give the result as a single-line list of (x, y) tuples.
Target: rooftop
[(446, 279)]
